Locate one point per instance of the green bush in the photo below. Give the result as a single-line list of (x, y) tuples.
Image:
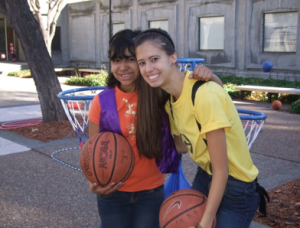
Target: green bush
[(231, 81), (230, 88), (21, 73), (259, 81), (295, 107), (91, 80)]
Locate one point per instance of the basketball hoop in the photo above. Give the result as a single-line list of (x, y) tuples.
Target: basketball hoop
[(252, 123), (77, 103)]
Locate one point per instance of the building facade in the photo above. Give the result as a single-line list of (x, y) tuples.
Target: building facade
[(232, 36)]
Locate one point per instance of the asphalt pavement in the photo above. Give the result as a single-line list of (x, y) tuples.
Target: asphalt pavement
[(37, 191)]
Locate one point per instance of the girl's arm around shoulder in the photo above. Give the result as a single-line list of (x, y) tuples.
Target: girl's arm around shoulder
[(202, 73)]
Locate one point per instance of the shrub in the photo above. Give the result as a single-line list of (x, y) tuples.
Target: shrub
[(230, 88), (21, 73), (259, 81), (295, 107), (90, 80), (231, 81)]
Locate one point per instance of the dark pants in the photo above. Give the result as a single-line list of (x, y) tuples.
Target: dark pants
[(238, 204), (131, 209)]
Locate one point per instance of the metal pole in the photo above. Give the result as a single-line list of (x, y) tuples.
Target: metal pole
[(110, 30)]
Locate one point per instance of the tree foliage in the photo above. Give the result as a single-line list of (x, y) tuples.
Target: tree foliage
[(48, 24)]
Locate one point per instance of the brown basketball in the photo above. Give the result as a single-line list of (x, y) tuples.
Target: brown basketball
[(107, 157), (276, 105), (183, 208)]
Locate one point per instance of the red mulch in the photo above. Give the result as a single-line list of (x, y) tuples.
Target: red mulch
[(283, 210), (46, 132)]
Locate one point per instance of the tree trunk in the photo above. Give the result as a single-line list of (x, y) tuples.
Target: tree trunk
[(38, 58)]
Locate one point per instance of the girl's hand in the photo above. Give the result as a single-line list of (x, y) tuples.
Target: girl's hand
[(97, 189), (201, 73), (198, 225)]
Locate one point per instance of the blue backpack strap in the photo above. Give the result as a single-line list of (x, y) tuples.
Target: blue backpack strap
[(109, 118)]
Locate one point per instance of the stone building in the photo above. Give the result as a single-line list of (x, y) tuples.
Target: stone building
[(232, 36)]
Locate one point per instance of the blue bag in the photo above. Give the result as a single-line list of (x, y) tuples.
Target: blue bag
[(176, 181)]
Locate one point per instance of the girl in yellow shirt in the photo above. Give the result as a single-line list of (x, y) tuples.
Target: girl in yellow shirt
[(226, 173)]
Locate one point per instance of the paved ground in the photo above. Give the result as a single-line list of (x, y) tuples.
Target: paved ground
[(36, 191)]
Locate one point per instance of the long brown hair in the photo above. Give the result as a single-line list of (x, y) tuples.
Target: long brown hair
[(151, 103), (150, 116)]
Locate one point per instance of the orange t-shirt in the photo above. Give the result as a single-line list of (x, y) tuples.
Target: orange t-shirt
[(145, 174)]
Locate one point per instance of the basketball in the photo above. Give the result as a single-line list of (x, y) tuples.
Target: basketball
[(183, 208), (276, 105), (107, 157), (267, 66)]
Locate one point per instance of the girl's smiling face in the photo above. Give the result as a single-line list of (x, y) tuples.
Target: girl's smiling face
[(126, 71), (154, 64)]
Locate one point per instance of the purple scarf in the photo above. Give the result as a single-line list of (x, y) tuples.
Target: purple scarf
[(109, 121)]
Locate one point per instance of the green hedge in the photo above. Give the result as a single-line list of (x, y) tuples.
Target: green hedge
[(231, 81), (91, 80), (295, 107), (259, 81), (21, 73)]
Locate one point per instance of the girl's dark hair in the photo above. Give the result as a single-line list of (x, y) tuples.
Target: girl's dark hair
[(119, 44), (159, 37), (151, 103), (150, 116)]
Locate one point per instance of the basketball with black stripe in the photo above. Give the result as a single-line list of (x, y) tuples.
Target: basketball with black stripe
[(183, 208), (107, 157)]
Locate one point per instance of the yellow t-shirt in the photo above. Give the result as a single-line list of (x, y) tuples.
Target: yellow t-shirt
[(213, 109)]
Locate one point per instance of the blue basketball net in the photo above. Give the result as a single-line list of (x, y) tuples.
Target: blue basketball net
[(76, 104), (252, 123)]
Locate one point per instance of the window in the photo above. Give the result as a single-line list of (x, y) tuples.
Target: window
[(280, 32), (211, 33), (118, 27), (55, 46), (163, 24)]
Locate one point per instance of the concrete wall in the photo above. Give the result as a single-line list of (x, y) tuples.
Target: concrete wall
[(62, 58), (85, 32)]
